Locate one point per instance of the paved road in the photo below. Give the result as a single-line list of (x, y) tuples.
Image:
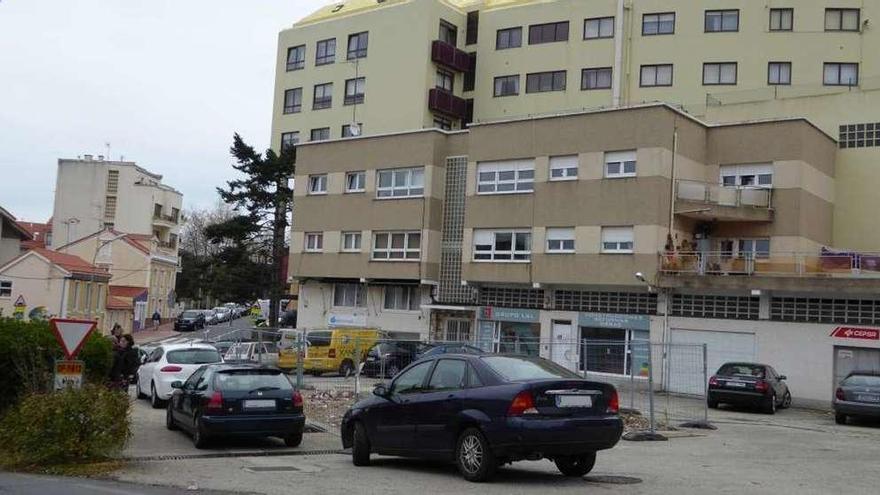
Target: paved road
[(20, 484)]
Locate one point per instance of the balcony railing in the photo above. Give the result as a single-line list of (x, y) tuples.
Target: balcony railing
[(443, 101), (717, 194), (449, 56), (166, 218), (774, 264), (168, 245)]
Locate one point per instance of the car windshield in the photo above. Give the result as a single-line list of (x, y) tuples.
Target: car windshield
[(862, 381), (752, 370), (251, 380), (189, 314), (516, 368), (193, 356)]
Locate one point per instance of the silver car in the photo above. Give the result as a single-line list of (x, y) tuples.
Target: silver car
[(858, 395), (210, 317)]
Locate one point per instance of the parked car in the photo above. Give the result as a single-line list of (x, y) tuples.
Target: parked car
[(287, 349), (334, 350), (241, 400), (248, 352), (223, 314), (386, 359), (857, 396), (169, 363), (210, 316), (223, 346), (482, 411), (453, 348), (189, 320), (749, 384)]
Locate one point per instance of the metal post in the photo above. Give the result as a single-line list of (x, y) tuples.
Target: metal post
[(652, 424), (632, 383), (260, 346), (357, 369), (300, 358), (705, 384), (585, 358)]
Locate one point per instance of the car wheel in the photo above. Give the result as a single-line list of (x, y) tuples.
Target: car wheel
[(294, 439), (770, 405), (786, 400), (137, 387), (360, 448), (474, 457), (155, 401), (200, 438), (169, 419), (840, 418), (346, 368), (576, 465)]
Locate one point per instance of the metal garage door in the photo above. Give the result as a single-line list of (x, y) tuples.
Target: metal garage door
[(847, 359), (721, 347)]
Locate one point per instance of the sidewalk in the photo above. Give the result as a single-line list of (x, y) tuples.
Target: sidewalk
[(152, 334)]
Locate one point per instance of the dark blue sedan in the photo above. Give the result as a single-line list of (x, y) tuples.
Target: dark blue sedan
[(483, 411)]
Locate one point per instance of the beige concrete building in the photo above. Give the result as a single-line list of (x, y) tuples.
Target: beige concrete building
[(12, 235)]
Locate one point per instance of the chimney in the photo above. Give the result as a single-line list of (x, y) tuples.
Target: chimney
[(87, 158), (100, 158)]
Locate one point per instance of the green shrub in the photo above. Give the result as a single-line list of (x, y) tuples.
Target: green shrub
[(71, 426)]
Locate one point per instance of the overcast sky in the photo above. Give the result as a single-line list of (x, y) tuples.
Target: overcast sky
[(165, 82)]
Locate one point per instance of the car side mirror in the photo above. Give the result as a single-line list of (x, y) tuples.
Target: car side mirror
[(177, 384), (380, 390), (783, 377)]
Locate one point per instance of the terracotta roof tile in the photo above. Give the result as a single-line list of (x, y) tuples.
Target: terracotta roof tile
[(71, 263)]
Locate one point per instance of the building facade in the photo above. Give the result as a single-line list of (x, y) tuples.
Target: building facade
[(12, 236)]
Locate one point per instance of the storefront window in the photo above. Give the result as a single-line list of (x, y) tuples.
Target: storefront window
[(615, 351), (517, 338)]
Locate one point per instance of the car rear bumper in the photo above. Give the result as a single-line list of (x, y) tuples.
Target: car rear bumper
[(853, 408), (549, 437), (181, 327), (736, 396), (262, 425)]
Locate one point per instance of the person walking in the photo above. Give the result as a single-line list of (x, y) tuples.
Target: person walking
[(157, 319), (116, 336)]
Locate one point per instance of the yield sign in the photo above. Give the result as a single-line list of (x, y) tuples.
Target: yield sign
[(71, 334)]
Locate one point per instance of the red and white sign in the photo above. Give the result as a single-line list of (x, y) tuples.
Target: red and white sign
[(72, 334), (856, 333)]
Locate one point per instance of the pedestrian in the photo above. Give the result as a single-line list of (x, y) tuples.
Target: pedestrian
[(125, 363), (157, 319), (116, 336)]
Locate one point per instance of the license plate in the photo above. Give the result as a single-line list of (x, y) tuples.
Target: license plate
[(574, 401), (736, 384), (868, 398), (259, 404)]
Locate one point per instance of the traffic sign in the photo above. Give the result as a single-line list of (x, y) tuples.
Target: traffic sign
[(71, 334), (20, 301), (68, 374), (856, 333)]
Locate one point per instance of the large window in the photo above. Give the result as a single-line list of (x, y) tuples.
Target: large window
[(753, 175), (325, 53), (507, 85), (560, 240), (616, 351), (314, 242), (5, 288), (779, 73), (402, 298), (355, 182), (540, 82), (445, 80), (448, 33), (842, 19), (781, 19), (662, 23), (718, 21), (289, 139), (357, 45), (318, 184), (320, 134), (513, 176), (400, 183), (598, 78), (599, 27), (754, 248), (293, 99), (508, 38), (354, 91), (503, 245), (296, 57), (655, 75), (563, 167), (349, 295), (617, 239), (351, 242), (838, 74), (715, 74), (397, 246), (620, 164), (548, 33), (323, 96)]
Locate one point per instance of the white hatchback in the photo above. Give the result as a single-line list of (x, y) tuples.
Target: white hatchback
[(170, 363)]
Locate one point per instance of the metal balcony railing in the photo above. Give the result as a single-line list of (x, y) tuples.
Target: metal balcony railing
[(166, 218), (776, 264), (449, 56), (443, 101), (717, 194)]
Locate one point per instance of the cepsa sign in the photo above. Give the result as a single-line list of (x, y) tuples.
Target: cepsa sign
[(856, 333)]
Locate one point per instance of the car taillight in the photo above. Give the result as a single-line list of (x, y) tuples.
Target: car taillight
[(761, 386), (171, 369), (613, 403), (523, 403), (713, 381), (331, 353), (215, 403), (839, 394), (297, 399)]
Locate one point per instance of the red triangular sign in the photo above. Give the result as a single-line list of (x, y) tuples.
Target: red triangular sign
[(72, 334)]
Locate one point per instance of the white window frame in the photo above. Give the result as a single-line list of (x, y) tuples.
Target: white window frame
[(352, 242), (622, 160), (565, 165), (409, 295), (353, 295), (360, 179), (489, 237), (317, 184), (313, 242), (410, 188), (6, 288), (615, 240), (522, 180), (759, 171), (407, 253), (560, 240)]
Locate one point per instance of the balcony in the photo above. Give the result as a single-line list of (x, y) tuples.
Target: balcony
[(446, 103), (165, 220), (447, 55), (168, 245), (712, 201)]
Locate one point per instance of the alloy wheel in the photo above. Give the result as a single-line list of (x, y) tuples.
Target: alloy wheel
[(471, 454)]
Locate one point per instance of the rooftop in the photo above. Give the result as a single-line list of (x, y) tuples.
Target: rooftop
[(69, 262)]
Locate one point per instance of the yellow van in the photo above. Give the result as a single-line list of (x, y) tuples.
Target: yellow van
[(287, 349), (334, 350)]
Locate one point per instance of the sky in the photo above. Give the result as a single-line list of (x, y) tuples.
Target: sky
[(165, 82)]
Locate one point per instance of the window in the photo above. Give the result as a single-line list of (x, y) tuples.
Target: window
[(560, 240), (507, 85), (352, 130), (858, 135), (655, 75), (473, 378), (599, 78), (445, 80), (351, 242), (448, 33), (354, 90), (355, 182), (654, 24), (325, 53), (314, 242), (540, 82), (400, 183), (508, 38), (318, 184), (837, 74), (599, 27), (296, 57), (781, 19), (289, 139), (779, 73), (715, 74), (449, 374), (442, 123), (5, 288), (320, 134), (293, 100), (842, 19), (357, 45), (470, 76), (564, 167), (323, 96), (411, 380), (397, 246), (502, 245), (617, 239), (754, 248), (402, 298), (620, 164), (548, 33), (514, 176), (753, 175), (349, 295), (718, 21)]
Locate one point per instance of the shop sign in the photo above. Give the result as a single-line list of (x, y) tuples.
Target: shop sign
[(856, 333), (611, 320), (347, 319), (508, 314)]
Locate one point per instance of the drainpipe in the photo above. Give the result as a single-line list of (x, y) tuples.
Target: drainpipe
[(617, 76)]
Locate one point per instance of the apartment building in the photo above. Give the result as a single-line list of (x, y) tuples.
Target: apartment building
[(12, 235)]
